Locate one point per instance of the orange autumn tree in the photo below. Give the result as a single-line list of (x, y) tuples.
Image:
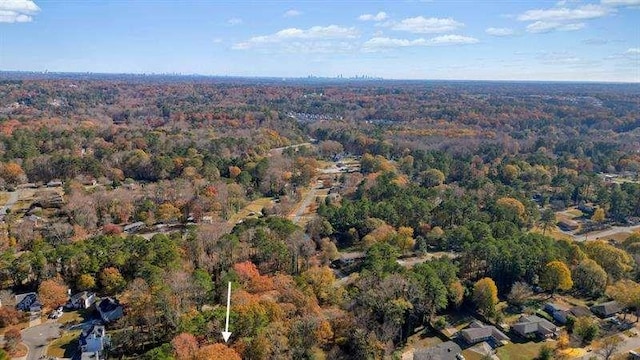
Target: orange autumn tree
[(53, 293), (216, 352), (251, 279), (184, 346)]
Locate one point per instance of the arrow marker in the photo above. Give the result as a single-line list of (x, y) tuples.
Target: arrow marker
[(226, 334)]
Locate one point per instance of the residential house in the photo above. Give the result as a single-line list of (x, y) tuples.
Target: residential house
[(28, 302), (607, 309), (568, 225), (132, 228), (110, 310), (534, 325), (479, 332), (444, 351), (93, 341), (560, 313), (82, 300)]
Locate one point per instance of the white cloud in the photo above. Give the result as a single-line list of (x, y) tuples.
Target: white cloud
[(385, 43), (452, 40), (583, 12), (547, 26), (234, 21), (293, 38), (422, 25), (292, 13), (370, 17), (499, 31), (17, 11), (621, 2), (633, 51)]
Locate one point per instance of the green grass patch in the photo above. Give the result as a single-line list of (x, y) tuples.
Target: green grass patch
[(74, 317), (65, 346), (526, 351)]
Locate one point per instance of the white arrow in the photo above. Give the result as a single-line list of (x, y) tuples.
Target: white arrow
[(226, 334)]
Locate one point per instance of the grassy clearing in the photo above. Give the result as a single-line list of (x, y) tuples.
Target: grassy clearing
[(73, 317), (553, 232), (617, 237), (255, 206), (65, 346), (526, 351)]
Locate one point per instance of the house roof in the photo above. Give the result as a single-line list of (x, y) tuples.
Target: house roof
[(608, 308), (532, 324), (578, 311), (81, 296), (478, 331), (96, 330), (108, 305), (444, 351)]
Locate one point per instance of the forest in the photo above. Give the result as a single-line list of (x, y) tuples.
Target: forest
[(474, 200)]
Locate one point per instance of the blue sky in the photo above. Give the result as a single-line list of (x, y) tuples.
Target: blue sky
[(595, 40)]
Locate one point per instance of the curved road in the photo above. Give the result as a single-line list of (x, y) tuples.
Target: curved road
[(38, 337)]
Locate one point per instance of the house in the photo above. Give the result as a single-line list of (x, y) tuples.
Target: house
[(444, 351), (54, 183), (479, 332), (28, 302), (109, 309), (607, 309), (131, 228), (93, 341), (576, 312), (82, 300), (560, 313), (531, 325), (568, 225)]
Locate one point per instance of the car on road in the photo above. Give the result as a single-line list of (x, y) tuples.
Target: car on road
[(56, 314)]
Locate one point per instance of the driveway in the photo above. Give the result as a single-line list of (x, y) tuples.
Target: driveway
[(37, 338)]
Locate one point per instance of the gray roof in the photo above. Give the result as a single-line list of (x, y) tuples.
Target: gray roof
[(608, 308), (478, 331), (444, 351), (534, 324)]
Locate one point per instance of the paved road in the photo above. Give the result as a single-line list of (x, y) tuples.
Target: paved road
[(304, 204), (600, 234), (36, 338), (13, 198), (278, 151)]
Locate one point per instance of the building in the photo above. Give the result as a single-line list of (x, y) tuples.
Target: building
[(478, 332), (607, 309), (93, 342), (568, 225), (28, 302), (82, 300), (561, 313), (132, 228), (533, 325), (444, 351), (110, 310)]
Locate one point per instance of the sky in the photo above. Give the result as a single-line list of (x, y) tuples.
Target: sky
[(566, 40)]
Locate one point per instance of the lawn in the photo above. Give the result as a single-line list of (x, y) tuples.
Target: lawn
[(526, 351), (65, 346), (74, 317), (255, 206)]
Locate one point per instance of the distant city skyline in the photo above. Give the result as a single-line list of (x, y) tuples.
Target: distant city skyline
[(567, 40)]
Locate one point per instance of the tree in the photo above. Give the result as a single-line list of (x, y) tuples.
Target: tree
[(519, 294), (13, 173), (111, 280), (10, 316), (53, 293), (627, 293), (586, 328), (547, 219), (167, 212), (511, 209), (616, 262), (185, 346), (590, 278), (12, 338), (545, 353), (556, 276), (485, 295), (86, 282), (4, 355), (217, 352), (608, 346), (432, 177), (598, 215)]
